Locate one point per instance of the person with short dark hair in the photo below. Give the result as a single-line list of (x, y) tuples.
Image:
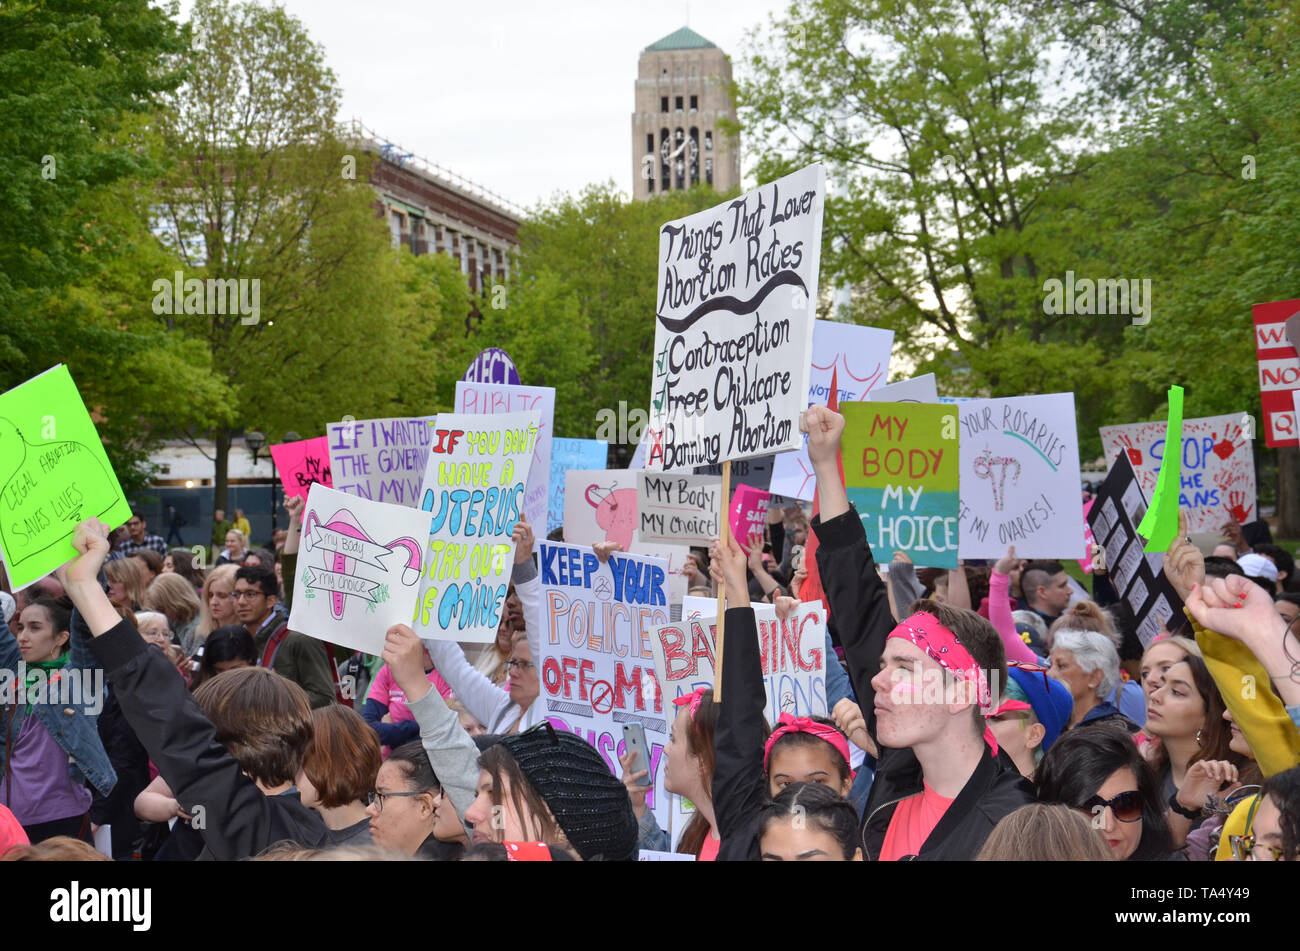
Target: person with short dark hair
[(940, 786), (1047, 589), (295, 656), (226, 648), (809, 822), (1287, 605), (245, 783), (174, 523), (1283, 562), (1216, 567), (138, 537)]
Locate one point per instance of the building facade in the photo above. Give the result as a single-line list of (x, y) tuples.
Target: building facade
[(430, 210), (681, 93)]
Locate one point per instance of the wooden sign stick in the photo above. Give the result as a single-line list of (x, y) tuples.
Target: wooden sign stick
[(723, 538)]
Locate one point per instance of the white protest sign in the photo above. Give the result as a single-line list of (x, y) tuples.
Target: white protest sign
[(382, 460), (1217, 472), (504, 398), (596, 668), (474, 493), (675, 557), (1019, 478), (858, 359), (678, 509), (359, 569), (734, 325), (919, 389), (793, 655)]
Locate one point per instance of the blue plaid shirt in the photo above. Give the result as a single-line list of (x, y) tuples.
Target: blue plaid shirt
[(155, 542)]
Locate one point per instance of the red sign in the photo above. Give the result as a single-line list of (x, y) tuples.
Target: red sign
[(1279, 371)]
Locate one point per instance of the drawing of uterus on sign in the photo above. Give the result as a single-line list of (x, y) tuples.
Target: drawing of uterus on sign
[(352, 564), (615, 513), (995, 469)]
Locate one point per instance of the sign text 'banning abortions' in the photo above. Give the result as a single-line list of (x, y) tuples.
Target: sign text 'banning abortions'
[(737, 292)]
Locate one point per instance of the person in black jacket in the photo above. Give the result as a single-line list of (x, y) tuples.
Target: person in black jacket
[(939, 788), (241, 795)]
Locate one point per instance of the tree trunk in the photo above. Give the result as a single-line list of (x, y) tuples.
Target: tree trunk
[(1288, 492), (219, 464)]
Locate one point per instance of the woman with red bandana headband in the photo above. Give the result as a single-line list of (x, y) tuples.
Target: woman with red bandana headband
[(752, 767), (940, 786)]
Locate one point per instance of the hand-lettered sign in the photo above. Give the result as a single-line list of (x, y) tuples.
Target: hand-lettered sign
[(734, 325), (600, 506), (596, 667), (382, 460), (473, 492), (1218, 466), (358, 569), (493, 365), (858, 358), (901, 468), (54, 473), (748, 515), (1279, 370), (502, 398), (303, 464), (1020, 477), (678, 509)]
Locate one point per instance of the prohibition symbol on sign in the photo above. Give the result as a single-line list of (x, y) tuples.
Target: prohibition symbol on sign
[(602, 696)]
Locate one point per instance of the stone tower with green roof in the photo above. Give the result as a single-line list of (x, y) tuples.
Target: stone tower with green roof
[(681, 93)]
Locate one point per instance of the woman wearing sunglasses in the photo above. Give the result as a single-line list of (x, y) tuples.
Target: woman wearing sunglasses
[(1100, 772)]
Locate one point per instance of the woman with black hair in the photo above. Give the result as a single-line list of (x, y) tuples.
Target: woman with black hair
[(225, 649), (1273, 832), (1100, 772), (403, 808), (809, 822)]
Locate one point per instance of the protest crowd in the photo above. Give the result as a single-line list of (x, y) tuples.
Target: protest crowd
[(666, 664)]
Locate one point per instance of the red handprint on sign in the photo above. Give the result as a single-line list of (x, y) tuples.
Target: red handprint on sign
[(1239, 507)]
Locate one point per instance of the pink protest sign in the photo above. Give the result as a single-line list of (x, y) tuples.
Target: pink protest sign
[(302, 463), (748, 513)]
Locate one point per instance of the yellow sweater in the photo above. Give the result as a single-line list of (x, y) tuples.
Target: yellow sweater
[(1258, 711)]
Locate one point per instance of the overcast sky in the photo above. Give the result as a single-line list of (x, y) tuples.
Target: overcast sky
[(524, 98)]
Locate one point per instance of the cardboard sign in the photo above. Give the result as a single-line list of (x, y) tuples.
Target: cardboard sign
[(1279, 370), (1218, 466), (674, 556), (755, 472), (678, 509), (502, 398), (600, 506), (858, 359), (1020, 477), (566, 454), (900, 469), (382, 460), (734, 325), (596, 668), (303, 464), (54, 474), (358, 569), (1139, 577), (473, 491), (793, 655), (919, 389), (748, 514)]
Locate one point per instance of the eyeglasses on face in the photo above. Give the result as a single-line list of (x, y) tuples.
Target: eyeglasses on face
[(246, 595), (377, 798), (523, 665), (1245, 849), (1126, 807)]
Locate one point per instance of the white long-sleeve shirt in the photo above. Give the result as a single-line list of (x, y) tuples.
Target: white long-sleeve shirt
[(488, 703)]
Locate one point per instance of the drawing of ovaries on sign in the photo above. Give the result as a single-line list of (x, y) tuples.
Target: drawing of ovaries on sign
[(46, 488), (995, 469), (347, 550), (615, 512)]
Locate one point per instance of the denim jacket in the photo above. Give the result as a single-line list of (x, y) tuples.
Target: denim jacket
[(73, 725)]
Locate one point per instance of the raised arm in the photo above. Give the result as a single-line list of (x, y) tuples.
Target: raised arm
[(738, 783), (1000, 610), (451, 750), (856, 595)]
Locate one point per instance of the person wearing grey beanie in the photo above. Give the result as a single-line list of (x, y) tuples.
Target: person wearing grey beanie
[(551, 786)]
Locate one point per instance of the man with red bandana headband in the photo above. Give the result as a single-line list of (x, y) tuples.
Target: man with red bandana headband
[(924, 685)]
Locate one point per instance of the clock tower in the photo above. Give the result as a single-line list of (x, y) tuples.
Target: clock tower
[(681, 93)]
